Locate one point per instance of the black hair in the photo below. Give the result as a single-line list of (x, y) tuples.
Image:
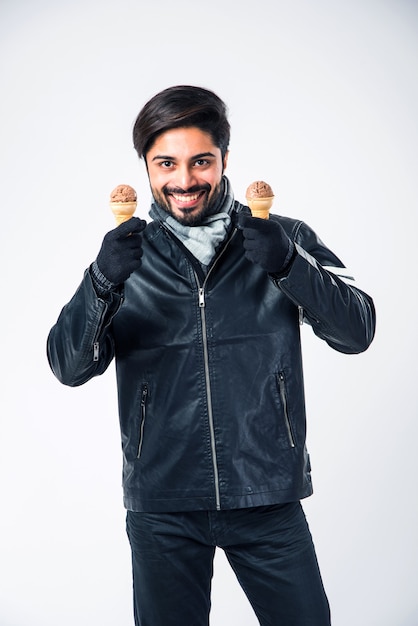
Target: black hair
[(181, 107)]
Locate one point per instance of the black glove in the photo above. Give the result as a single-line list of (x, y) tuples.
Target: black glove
[(120, 253), (266, 243)]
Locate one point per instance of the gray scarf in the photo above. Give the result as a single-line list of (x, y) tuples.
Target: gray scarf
[(201, 240)]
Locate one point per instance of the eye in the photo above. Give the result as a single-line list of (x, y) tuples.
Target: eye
[(166, 164), (201, 162)]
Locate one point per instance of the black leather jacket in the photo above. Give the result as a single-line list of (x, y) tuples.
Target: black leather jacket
[(209, 368)]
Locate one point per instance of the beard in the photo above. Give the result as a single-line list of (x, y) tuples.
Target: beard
[(210, 205)]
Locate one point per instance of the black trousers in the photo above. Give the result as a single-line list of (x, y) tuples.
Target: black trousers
[(269, 548)]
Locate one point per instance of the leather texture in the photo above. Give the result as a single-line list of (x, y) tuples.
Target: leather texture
[(209, 368)]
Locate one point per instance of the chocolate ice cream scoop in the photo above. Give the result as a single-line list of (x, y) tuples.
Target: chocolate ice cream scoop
[(123, 193)]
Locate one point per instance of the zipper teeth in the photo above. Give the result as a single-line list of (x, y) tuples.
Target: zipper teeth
[(285, 408), (201, 295), (96, 342), (210, 413), (141, 428)]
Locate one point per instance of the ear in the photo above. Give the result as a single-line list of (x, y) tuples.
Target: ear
[(225, 161)]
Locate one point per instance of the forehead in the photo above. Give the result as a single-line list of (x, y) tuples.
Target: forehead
[(181, 142)]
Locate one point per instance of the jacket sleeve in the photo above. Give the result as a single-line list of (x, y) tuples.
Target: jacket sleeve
[(80, 344), (340, 313)]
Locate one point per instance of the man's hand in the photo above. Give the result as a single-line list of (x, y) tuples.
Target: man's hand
[(266, 243), (121, 251)]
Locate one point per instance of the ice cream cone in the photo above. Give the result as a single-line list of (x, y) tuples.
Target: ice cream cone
[(259, 196), (123, 203), (122, 211), (260, 207)]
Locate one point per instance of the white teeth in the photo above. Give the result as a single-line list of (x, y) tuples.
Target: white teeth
[(186, 198)]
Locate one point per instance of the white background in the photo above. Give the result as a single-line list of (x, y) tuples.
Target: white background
[(323, 102)]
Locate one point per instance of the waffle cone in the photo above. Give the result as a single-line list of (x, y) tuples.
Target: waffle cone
[(260, 207), (122, 211)]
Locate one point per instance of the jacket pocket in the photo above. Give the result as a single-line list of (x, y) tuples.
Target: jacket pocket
[(142, 417), (281, 384)]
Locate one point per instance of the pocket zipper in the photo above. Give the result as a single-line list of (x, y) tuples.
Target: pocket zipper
[(283, 396), (144, 396)]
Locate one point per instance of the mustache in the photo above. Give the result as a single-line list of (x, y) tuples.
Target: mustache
[(194, 189)]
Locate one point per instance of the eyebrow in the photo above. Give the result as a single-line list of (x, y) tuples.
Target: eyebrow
[(196, 157)]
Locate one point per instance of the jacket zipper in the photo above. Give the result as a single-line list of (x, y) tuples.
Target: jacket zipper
[(144, 397), (283, 396), (96, 342), (202, 305)]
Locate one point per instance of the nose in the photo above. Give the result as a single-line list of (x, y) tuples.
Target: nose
[(185, 177)]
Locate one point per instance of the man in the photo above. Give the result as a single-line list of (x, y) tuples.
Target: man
[(201, 309)]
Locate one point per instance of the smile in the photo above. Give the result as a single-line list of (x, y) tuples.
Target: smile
[(185, 198)]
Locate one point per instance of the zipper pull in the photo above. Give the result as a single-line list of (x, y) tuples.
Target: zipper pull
[(96, 351), (300, 316), (144, 395), (201, 297)]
